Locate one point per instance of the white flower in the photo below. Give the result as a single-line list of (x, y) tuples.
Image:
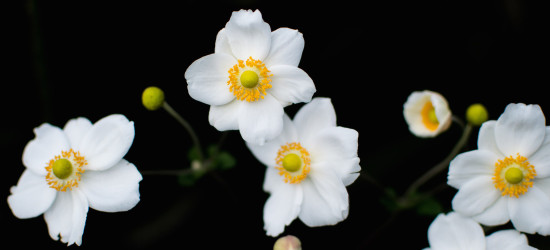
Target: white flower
[(506, 178), (427, 113), (456, 232), (71, 169), (251, 77), (308, 168)]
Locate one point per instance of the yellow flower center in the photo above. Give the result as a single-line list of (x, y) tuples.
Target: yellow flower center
[(429, 119), (293, 162), (249, 80), (514, 176), (64, 170)]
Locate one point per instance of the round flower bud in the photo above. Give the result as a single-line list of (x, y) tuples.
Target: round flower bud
[(288, 242), (476, 114), (152, 98)]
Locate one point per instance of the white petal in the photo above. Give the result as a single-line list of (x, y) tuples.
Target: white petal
[(267, 152), (287, 46), (314, 117), (325, 199), (107, 142), (469, 165), (282, 207), (520, 129), (541, 158), (486, 139), (225, 117), (67, 217), (291, 85), (76, 129), (530, 212), (248, 35), (454, 231), (31, 197), (475, 196), (222, 43), (207, 79), (496, 214), (336, 147), (261, 121), (113, 190), (272, 179), (49, 141), (507, 240)]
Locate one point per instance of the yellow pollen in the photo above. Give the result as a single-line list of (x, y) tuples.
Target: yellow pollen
[(293, 162), (249, 80), (514, 176), (65, 170), (429, 119)]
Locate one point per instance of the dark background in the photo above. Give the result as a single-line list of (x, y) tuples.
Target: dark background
[(87, 58)]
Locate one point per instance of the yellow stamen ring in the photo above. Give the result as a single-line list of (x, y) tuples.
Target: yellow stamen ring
[(249, 80), (65, 170), (293, 162), (429, 118), (514, 176)]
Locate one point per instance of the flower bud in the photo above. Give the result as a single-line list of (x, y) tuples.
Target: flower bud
[(288, 242), (152, 98), (476, 114)]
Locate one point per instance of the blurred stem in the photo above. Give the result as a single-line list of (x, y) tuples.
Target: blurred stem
[(187, 127), (443, 164)]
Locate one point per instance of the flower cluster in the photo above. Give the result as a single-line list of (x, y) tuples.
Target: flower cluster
[(504, 180)]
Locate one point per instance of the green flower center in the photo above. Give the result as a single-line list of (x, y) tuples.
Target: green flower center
[(249, 79), (292, 162), (62, 168), (513, 175)]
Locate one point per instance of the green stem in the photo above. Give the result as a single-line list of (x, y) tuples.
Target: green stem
[(187, 127), (441, 165)]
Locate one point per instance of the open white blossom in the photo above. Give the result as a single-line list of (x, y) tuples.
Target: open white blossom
[(456, 232), (308, 168), (71, 169), (506, 178), (252, 75), (427, 113)]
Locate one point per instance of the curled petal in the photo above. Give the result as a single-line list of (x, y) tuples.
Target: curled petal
[(282, 207), (261, 121), (113, 190), (48, 143), (67, 217), (325, 199), (248, 35), (31, 197), (107, 142), (291, 85), (207, 79)]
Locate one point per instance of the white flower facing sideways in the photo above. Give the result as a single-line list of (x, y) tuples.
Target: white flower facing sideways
[(427, 113), (252, 75), (456, 232), (71, 169), (506, 178), (309, 166)]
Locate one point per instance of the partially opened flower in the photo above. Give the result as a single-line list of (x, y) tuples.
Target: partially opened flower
[(308, 168), (252, 75), (427, 113), (454, 231), (506, 178), (71, 169)]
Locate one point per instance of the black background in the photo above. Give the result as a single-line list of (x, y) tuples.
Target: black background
[(87, 58)]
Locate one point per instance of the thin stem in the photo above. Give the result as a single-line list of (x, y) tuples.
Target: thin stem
[(441, 165), (187, 127)]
